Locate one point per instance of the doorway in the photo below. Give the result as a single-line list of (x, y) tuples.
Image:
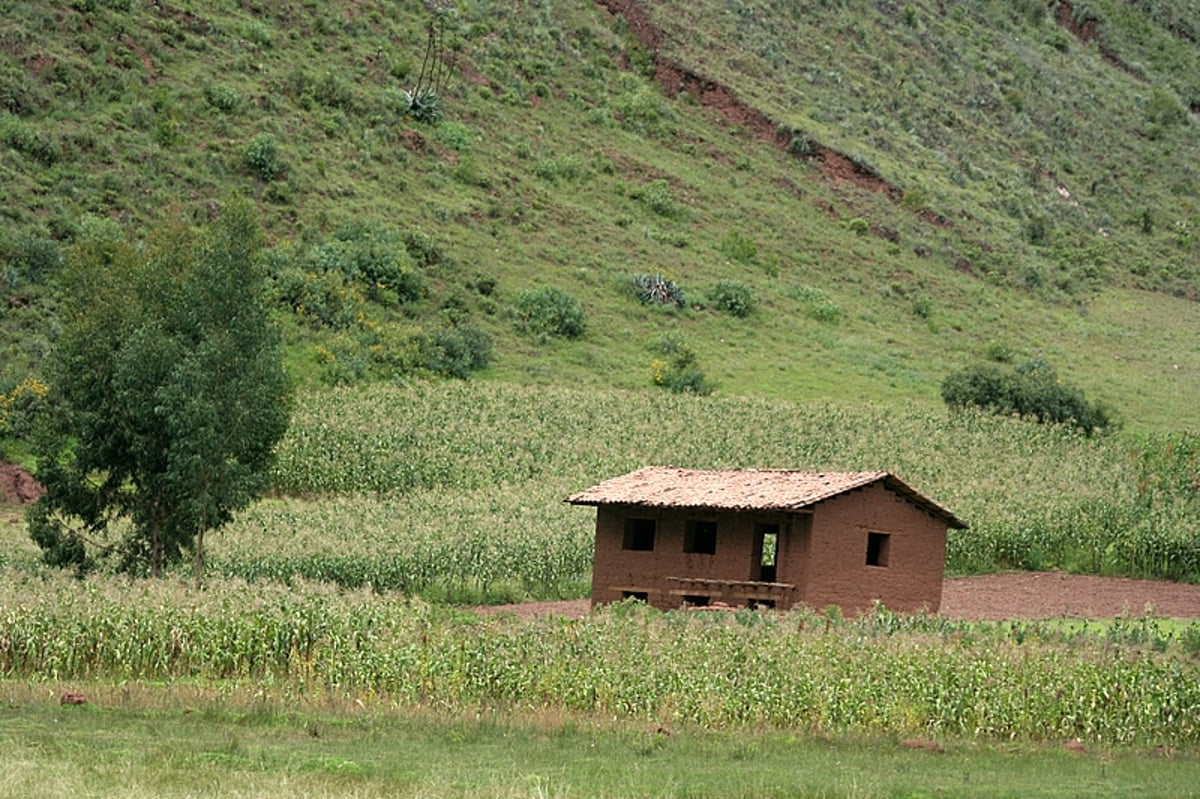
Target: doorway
[(766, 549)]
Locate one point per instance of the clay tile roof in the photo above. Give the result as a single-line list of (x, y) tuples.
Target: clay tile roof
[(743, 489)]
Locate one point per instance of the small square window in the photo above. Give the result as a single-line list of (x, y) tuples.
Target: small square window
[(639, 534), (700, 538), (696, 601), (640, 596), (877, 549)]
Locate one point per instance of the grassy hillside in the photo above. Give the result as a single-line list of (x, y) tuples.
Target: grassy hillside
[(1012, 189)]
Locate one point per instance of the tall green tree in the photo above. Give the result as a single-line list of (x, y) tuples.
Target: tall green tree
[(168, 396)]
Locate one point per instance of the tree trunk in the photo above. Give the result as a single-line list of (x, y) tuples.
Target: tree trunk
[(156, 549), (198, 563)]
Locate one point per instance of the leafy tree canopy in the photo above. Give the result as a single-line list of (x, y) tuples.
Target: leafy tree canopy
[(1029, 389), (167, 395)]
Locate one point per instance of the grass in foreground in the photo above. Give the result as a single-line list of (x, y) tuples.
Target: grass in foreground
[(137, 741)]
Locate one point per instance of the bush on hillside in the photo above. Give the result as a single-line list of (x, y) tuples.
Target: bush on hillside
[(734, 298), (737, 247), (679, 370), (549, 311), (262, 157), (1031, 389), (458, 351)]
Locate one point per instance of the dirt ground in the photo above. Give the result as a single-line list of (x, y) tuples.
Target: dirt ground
[(17, 486), (997, 597)]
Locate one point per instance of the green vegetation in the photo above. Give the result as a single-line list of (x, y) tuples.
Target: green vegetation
[(549, 311), (132, 743), (884, 673), (860, 200), (1031, 389), (521, 146), (429, 475), (734, 298), (657, 290), (167, 398)]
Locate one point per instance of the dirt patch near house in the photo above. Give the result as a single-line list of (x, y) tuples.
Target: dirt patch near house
[(998, 597)]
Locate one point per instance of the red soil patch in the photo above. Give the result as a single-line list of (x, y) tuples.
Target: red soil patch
[(143, 56), (999, 597), (17, 486), (673, 78), (1088, 30)]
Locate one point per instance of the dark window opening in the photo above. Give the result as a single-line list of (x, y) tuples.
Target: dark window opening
[(640, 596), (767, 536), (877, 549), (696, 601), (639, 534), (700, 537)]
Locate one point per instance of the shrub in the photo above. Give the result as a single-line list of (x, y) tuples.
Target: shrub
[(262, 157), (458, 351), (1031, 389), (737, 247), (424, 249), (223, 98), (29, 141), (642, 109), (374, 258), (456, 136), (566, 168), (657, 290), (657, 197), (998, 351), (679, 369), (332, 92), (32, 258), (1163, 110), (736, 299), (320, 300), (818, 305), (549, 311)]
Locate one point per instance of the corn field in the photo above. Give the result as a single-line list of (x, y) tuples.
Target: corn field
[(458, 546), (882, 673), (457, 488)]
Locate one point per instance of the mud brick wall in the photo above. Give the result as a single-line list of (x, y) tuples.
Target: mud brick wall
[(823, 553), (838, 573)]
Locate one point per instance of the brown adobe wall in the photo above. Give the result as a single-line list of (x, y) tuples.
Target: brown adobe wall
[(823, 555), (838, 573), (616, 570)]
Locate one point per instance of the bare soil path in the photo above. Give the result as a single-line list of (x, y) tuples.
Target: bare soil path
[(997, 597)]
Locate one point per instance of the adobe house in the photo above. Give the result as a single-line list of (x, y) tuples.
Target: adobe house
[(767, 538)]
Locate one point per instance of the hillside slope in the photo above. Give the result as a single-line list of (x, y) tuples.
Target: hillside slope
[(900, 189)]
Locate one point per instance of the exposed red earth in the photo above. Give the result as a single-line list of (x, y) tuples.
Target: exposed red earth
[(17, 486), (998, 597)]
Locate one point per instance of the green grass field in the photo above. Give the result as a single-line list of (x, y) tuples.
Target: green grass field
[(137, 742)]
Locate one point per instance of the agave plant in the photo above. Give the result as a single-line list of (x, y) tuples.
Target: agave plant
[(657, 290), (424, 105)]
